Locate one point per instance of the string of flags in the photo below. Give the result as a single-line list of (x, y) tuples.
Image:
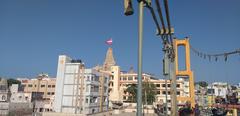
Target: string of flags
[(215, 57)]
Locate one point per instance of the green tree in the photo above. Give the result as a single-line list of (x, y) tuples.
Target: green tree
[(132, 90), (148, 95), (13, 81), (203, 83)]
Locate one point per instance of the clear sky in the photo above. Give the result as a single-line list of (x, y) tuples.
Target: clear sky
[(34, 32)]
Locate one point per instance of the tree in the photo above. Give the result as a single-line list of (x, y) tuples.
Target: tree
[(132, 90), (13, 81), (203, 84), (148, 94)]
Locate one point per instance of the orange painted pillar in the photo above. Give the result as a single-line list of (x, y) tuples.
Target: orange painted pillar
[(187, 72)]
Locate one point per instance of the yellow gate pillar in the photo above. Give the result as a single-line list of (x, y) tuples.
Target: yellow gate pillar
[(187, 72)]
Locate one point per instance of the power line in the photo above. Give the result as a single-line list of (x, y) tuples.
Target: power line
[(168, 19), (155, 19), (162, 32), (224, 55)]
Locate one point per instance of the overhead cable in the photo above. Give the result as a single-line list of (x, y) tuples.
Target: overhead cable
[(225, 55)]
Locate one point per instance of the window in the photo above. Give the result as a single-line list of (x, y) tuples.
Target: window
[(53, 93), (35, 85), (48, 93), (169, 93), (88, 78), (169, 85), (53, 86), (23, 86), (163, 85), (135, 78), (157, 85), (178, 85), (3, 97), (124, 78), (42, 86), (164, 92), (130, 78), (124, 97), (158, 92), (30, 85), (86, 100), (49, 86), (178, 92), (19, 97)]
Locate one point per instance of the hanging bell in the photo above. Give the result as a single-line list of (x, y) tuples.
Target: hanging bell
[(128, 9)]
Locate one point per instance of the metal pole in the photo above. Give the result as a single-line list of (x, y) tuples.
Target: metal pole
[(166, 95), (166, 74), (140, 35), (173, 89)]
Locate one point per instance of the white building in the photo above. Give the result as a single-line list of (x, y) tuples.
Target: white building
[(219, 89), (19, 96), (4, 97), (79, 90)]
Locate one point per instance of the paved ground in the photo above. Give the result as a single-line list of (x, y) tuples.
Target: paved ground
[(133, 114)]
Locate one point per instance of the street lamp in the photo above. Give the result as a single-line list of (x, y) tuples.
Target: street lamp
[(129, 11)]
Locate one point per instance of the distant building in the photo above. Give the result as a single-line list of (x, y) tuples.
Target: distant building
[(42, 89), (19, 96), (219, 89), (80, 90), (201, 96), (13, 101), (4, 97), (20, 102), (42, 84), (119, 80)]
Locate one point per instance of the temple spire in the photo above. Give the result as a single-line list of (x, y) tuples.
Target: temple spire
[(109, 59)]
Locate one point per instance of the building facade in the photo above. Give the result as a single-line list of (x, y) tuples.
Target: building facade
[(19, 96), (42, 90), (119, 81), (80, 90), (4, 97), (42, 85)]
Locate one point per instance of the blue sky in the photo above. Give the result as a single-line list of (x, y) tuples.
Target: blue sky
[(34, 32)]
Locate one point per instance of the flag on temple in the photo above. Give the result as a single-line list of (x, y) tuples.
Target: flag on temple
[(109, 41)]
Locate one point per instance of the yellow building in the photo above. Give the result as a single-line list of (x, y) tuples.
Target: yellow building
[(42, 85), (119, 81)]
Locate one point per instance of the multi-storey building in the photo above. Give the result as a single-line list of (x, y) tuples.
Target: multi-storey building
[(42, 90), (80, 90), (4, 91), (42, 85), (219, 89), (4, 97), (18, 96), (119, 80)]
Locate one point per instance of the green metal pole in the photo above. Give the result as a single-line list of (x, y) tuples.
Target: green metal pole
[(140, 37)]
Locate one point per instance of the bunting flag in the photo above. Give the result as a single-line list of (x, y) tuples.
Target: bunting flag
[(109, 41), (216, 58)]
